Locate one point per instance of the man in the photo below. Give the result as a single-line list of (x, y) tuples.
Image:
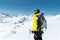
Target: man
[(37, 30)]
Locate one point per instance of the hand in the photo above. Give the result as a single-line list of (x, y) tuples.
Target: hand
[(32, 31)]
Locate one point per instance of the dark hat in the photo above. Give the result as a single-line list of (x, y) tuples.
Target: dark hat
[(37, 11)]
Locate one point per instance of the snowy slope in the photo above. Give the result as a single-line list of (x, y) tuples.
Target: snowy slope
[(19, 27)]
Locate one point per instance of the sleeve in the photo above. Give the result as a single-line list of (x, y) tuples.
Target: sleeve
[(34, 24)]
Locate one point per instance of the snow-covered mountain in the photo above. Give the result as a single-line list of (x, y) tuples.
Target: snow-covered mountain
[(3, 16), (14, 24), (19, 27)]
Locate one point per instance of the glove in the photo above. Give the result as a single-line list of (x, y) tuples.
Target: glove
[(32, 31)]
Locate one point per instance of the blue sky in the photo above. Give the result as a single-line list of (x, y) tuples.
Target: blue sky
[(15, 7)]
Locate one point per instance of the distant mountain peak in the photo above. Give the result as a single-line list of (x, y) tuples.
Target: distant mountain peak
[(3, 15)]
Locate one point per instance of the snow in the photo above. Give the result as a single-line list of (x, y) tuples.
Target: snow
[(19, 28)]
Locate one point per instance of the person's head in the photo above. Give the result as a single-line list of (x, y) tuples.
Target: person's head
[(37, 11)]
